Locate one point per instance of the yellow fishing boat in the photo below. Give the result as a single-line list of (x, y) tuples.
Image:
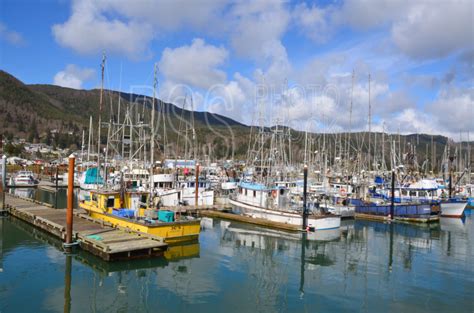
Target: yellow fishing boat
[(129, 210)]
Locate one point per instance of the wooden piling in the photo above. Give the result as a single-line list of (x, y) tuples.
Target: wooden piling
[(70, 199), (392, 199), (305, 196), (196, 192)]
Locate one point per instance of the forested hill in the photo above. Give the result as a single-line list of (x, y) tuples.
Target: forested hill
[(57, 116)]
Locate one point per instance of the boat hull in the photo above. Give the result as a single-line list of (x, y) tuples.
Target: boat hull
[(323, 222), (452, 209), (415, 213)]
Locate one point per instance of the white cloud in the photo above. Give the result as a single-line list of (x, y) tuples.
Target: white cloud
[(433, 31), (257, 30), (11, 36), (88, 30), (453, 109), (196, 64), (128, 27), (171, 15), (313, 21), (419, 29), (73, 76)]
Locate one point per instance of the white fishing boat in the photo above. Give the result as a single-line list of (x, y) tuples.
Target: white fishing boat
[(187, 189), (164, 189), (25, 178), (453, 208), (273, 204)]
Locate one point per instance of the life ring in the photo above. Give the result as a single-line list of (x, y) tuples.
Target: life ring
[(274, 193), (343, 191)]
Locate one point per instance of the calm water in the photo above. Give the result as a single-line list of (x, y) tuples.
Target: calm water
[(45, 195), (364, 267)]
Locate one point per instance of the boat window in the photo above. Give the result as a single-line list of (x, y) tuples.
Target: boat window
[(240, 190), (412, 193), (422, 193), (110, 202), (282, 192), (404, 192), (254, 193), (245, 191), (94, 197), (143, 201)]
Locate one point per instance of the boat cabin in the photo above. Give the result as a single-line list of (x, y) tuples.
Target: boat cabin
[(107, 201)]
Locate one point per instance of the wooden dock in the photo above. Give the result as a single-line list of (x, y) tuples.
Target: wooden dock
[(92, 235), (250, 220)]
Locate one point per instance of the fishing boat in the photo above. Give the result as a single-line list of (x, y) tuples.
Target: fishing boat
[(129, 210), (25, 178), (453, 207), (90, 179), (415, 212), (273, 203)]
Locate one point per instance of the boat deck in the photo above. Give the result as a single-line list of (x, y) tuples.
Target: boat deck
[(94, 236)]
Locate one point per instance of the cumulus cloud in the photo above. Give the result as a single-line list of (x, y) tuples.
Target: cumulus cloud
[(257, 30), (128, 27), (89, 30), (73, 76), (433, 31), (419, 29), (312, 21), (11, 36), (171, 15), (453, 109), (196, 64)]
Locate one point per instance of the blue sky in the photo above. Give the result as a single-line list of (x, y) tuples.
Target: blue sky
[(419, 55)]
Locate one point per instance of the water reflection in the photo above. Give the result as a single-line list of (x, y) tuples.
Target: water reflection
[(364, 266), (56, 199)]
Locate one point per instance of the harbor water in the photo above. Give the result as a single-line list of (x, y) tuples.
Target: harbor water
[(362, 267)]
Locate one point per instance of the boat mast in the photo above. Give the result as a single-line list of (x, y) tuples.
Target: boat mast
[(370, 128), (152, 126), (100, 119), (82, 146), (90, 138)]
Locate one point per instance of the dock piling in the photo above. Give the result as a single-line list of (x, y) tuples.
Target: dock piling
[(70, 202), (305, 187), (392, 199), (3, 184), (56, 191), (196, 192)]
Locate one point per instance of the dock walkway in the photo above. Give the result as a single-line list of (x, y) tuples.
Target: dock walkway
[(94, 236)]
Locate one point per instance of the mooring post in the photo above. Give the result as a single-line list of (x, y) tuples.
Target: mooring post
[(4, 172), (70, 202), (4, 182), (67, 284), (450, 182), (305, 187), (392, 200), (56, 193), (196, 193)]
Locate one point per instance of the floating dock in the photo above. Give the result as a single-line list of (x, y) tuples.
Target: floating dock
[(92, 235), (250, 220)]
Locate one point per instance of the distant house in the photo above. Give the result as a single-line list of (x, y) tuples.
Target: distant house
[(179, 163), (15, 161)]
